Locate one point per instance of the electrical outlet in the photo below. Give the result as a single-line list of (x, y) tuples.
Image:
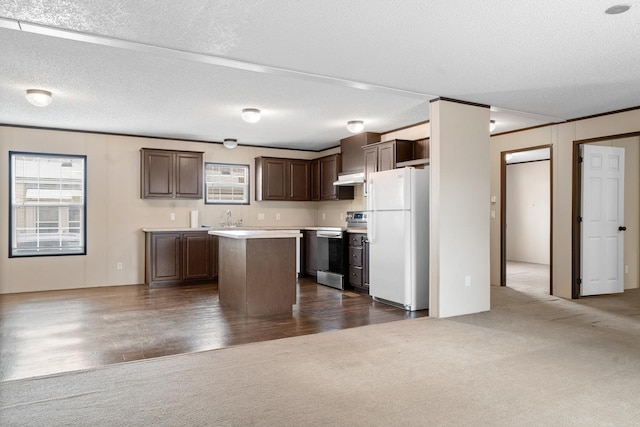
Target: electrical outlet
[(119, 266), (277, 217), (467, 281), (626, 269), (323, 215), (261, 217), (172, 216)]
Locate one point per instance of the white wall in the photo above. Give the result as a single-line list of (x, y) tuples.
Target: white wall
[(560, 137), (116, 213), (459, 209), (528, 212)]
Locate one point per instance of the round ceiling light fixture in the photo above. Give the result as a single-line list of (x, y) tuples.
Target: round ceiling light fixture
[(617, 9), (250, 115), (230, 143), (39, 97), (355, 126), (492, 125)]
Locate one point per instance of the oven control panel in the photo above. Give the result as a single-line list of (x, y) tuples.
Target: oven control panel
[(356, 219)]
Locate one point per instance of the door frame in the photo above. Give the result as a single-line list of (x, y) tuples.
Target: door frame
[(503, 212), (576, 210)]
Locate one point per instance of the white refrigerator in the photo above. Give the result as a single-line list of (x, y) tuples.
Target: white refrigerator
[(398, 234)]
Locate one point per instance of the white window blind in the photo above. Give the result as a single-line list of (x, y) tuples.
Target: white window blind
[(48, 196), (226, 183)]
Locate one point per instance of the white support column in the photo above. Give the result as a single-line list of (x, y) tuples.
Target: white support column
[(459, 209)]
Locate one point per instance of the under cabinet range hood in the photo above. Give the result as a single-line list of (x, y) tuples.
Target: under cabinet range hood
[(350, 179)]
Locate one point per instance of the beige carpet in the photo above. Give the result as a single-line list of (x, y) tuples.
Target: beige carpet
[(528, 276), (533, 360)]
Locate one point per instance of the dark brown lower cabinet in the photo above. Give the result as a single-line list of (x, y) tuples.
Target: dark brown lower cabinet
[(195, 256), (358, 262), (173, 258)]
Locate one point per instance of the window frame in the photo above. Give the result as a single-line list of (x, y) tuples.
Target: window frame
[(227, 202), (11, 182)]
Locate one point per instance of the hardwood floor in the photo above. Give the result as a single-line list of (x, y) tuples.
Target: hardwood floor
[(57, 331)]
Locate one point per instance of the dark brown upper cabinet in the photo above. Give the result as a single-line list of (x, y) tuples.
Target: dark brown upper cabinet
[(330, 167), (351, 150), (386, 155), (282, 179), (271, 178), (299, 180), (169, 174), (315, 179), (296, 179)]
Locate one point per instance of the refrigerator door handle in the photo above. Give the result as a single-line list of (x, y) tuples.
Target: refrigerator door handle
[(371, 227)]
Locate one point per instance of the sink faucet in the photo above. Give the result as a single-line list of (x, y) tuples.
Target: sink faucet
[(229, 218)]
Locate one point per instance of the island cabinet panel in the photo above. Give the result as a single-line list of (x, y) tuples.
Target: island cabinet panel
[(174, 258), (213, 253), (258, 276), (169, 174)]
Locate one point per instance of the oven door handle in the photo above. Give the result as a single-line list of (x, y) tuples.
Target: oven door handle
[(329, 234)]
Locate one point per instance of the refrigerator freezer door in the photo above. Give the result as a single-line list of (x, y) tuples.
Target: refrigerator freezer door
[(389, 190), (389, 257)]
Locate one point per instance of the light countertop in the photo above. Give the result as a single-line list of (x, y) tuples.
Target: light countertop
[(257, 234), (224, 228)]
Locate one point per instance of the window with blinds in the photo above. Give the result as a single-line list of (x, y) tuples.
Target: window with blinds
[(226, 184), (48, 204)]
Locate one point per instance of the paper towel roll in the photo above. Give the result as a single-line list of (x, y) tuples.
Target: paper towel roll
[(194, 219)]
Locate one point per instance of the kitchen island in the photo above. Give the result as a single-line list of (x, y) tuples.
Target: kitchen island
[(257, 270)]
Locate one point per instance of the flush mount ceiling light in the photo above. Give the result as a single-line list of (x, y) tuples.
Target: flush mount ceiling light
[(250, 115), (355, 126), (617, 9), (39, 97), (230, 143), (492, 125)]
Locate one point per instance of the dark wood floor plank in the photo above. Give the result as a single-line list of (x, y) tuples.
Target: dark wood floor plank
[(57, 331)]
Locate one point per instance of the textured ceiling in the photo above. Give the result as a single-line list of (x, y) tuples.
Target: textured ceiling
[(186, 69)]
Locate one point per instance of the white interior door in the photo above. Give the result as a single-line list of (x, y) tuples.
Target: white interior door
[(602, 249)]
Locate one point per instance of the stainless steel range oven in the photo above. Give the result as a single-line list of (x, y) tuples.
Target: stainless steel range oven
[(332, 254)]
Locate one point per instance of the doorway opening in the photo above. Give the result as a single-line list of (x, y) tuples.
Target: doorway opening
[(630, 257), (525, 219)]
